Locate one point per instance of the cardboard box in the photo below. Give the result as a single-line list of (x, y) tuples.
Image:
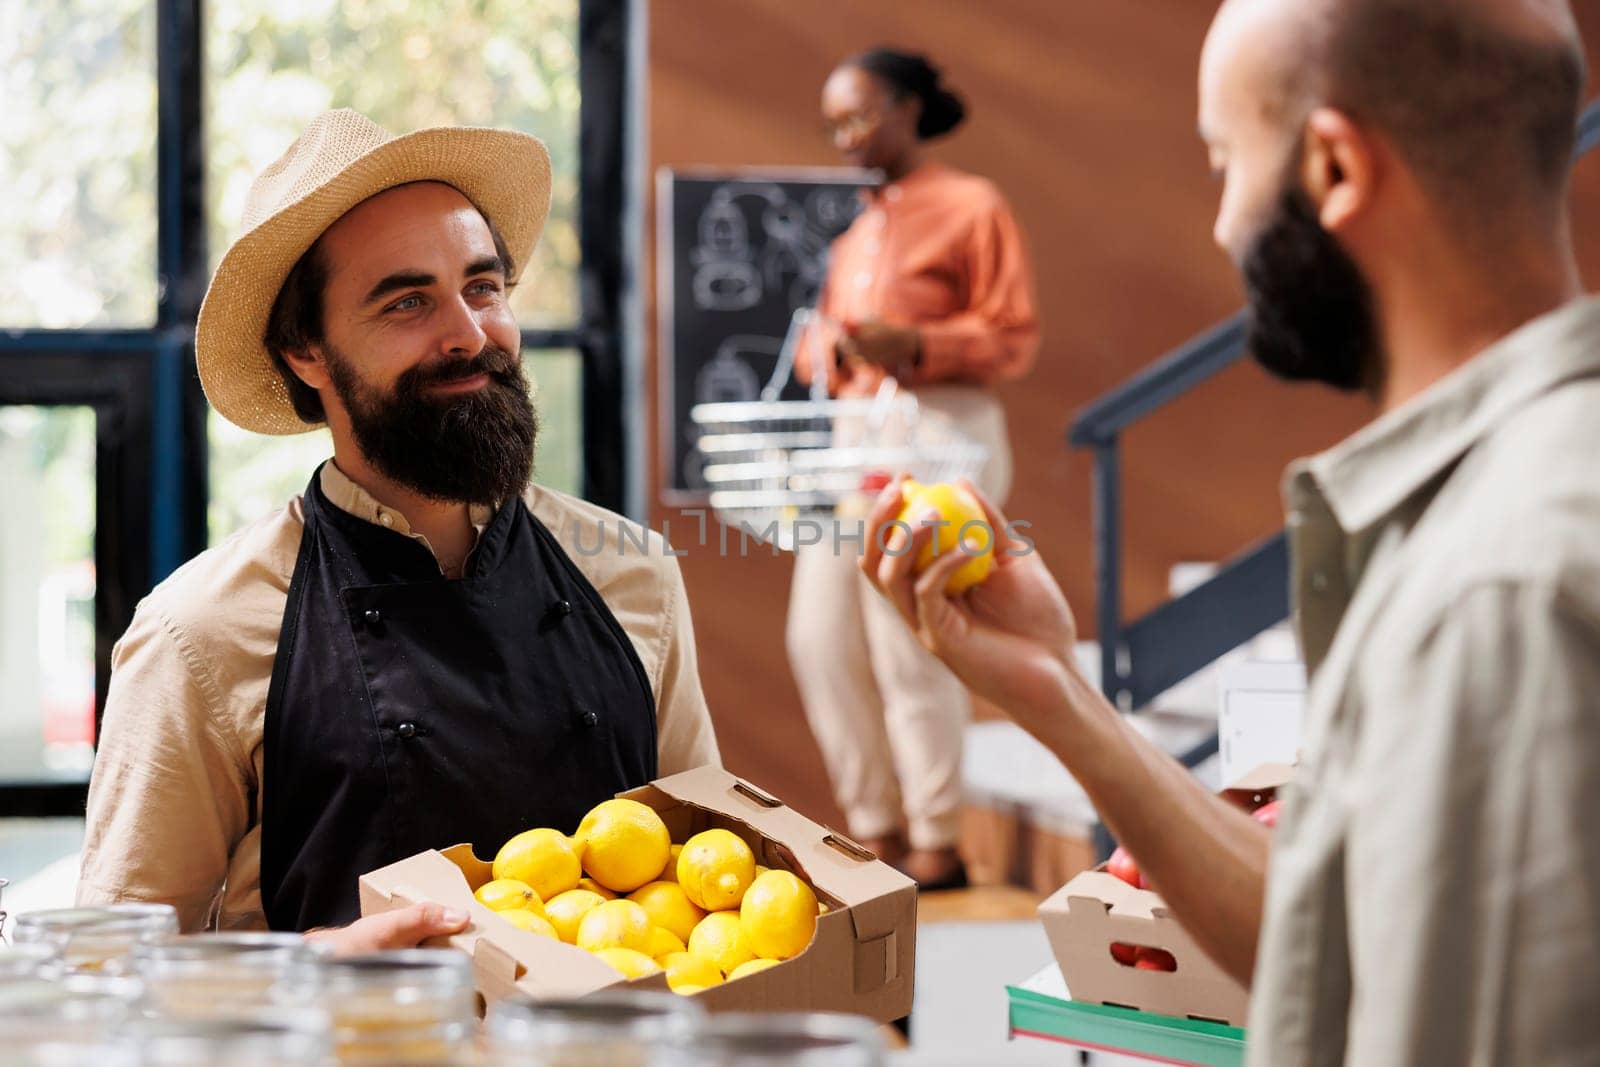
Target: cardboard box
[(860, 960), (1095, 910)]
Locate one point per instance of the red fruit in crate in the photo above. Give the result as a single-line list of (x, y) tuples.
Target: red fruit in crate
[(875, 481), (1124, 954), (1155, 959), (1267, 814), (1121, 865)]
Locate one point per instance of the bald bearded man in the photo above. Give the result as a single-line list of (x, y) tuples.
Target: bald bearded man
[(1395, 196)]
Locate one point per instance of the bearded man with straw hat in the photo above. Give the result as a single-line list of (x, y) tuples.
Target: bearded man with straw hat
[(409, 655)]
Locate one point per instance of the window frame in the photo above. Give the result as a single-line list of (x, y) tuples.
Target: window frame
[(151, 461)]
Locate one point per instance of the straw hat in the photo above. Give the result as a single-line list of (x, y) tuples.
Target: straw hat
[(342, 159)]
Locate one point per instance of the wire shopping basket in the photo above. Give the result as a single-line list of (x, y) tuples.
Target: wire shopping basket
[(787, 471)]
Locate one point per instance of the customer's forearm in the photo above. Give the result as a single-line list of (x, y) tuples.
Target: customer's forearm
[(1208, 857)]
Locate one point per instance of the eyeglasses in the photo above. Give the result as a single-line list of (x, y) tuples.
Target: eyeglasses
[(855, 123)]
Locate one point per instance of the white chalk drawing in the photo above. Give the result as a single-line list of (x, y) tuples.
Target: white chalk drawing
[(730, 376), (734, 271)]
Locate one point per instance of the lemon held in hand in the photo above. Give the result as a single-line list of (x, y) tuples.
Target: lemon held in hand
[(542, 859), (715, 868), (780, 915), (623, 844), (962, 517)]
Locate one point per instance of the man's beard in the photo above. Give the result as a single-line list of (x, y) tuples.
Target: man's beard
[(475, 447), (1311, 313)]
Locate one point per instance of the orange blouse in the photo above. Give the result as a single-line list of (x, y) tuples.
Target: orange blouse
[(941, 251)]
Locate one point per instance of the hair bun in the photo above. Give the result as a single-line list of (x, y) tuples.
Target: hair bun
[(910, 74)]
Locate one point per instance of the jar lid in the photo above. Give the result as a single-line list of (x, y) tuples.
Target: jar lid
[(646, 1016)]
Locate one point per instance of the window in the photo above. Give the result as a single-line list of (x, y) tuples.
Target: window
[(79, 143), (273, 66), (47, 592)]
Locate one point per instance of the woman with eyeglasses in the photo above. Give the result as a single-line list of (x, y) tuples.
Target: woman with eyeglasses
[(931, 286)]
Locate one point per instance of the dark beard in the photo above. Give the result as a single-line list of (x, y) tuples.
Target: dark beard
[(475, 448), (1311, 314)]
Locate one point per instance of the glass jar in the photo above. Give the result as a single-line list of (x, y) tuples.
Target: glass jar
[(416, 1006), (217, 976), (71, 1020), (777, 1040), (97, 939), (19, 962), (603, 1030), (275, 1039)]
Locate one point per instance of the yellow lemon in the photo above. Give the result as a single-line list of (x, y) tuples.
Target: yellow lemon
[(595, 887), (685, 968), (761, 869), (624, 844), (669, 873), (744, 970), (508, 894), (689, 990), (961, 518), (664, 942), (780, 915), (523, 919), (669, 907), (542, 859), (632, 964), (720, 939), (615, 924), (566, 911), (715, 868)]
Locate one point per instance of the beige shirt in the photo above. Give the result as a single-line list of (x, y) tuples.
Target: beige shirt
[(175, 799), (1434, 893)]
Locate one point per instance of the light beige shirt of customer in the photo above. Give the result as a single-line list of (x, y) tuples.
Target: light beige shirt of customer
[(1434, 890), (175, 798)]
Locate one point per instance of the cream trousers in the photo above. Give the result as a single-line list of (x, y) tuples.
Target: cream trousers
[(887, 715)]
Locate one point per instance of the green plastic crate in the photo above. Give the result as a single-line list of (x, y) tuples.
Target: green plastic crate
[(1036, 1012)]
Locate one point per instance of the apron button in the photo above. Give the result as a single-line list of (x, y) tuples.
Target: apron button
[(373, 616), (590, 719), (406, 729)]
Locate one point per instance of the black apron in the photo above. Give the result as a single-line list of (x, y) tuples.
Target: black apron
[(409, 712)]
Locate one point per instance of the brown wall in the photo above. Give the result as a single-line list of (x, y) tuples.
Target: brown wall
[(1084, 114)]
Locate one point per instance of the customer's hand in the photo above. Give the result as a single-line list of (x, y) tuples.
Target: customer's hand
[(880, 343), (405, 927), (1009, 639)]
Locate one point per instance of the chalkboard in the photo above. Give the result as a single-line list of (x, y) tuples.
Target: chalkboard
[(737, 253)]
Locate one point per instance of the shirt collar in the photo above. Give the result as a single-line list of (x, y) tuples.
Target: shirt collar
[(347, 496), (1371, 474), (892, 191)]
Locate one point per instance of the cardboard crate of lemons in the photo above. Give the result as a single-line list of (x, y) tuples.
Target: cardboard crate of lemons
[(704, 912), (698, 882)]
